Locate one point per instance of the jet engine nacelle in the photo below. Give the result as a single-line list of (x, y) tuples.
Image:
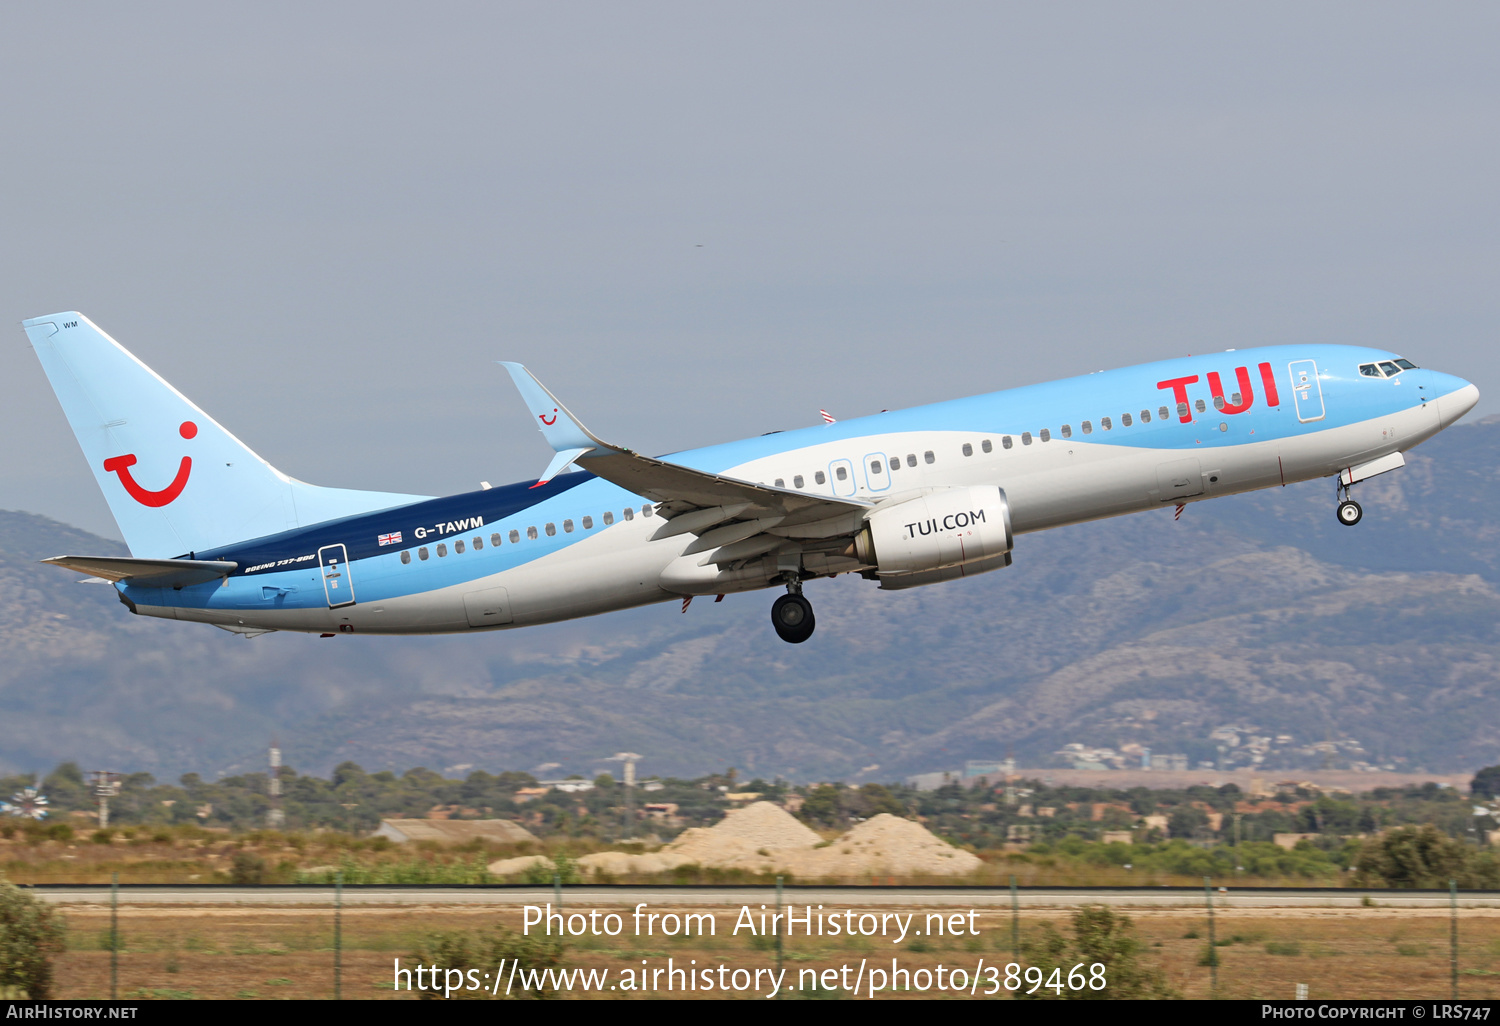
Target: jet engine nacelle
[(948, 527)]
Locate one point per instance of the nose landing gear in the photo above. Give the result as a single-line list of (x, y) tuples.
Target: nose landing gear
[(1349, 512), (792, 615)]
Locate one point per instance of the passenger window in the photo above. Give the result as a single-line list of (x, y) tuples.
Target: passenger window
[(985, 446), (1045, 435), (458, 547), (876, 467), (895, 462), (820, 478), (1067, 431), (588, 523), (442, 550), (422, 552), (1125, 420), (1025, 437), (1406, 365), (647, 510), (1182, 410), (629, 513), (406, 557), (609, 518), (515, 537), (1005, 442), (1219, 402), (1163, 413), (1235, 399), (797, 481), (911, 459), (1145, 416), (780, 483), (929, 457), (1369, 370), (567, 527), (841, 473), (551, 530), (1199, 405), (531, 533), (968, 449), (1391, 370), (478, 543), (1088, 427), (1105, 424), (495, 540)]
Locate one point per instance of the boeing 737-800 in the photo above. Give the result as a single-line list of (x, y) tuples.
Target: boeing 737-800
[(906, 497)]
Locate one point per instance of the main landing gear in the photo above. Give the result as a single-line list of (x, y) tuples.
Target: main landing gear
[(1349, 512), (792, 615)]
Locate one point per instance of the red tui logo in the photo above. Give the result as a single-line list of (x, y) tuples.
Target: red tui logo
[(121, 465), (1216, 389)]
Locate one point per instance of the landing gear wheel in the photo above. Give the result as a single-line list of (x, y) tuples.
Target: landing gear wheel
[(792, 616), (1349, 513)]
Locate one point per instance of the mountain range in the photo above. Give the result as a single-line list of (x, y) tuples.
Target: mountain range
[(1257, 612)]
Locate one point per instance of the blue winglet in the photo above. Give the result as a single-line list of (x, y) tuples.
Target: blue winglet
[(561, 429)]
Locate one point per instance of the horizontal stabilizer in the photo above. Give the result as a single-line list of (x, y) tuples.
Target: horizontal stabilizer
[(153, 573)]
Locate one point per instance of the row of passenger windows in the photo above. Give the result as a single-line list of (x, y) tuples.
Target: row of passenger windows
[(532, 534), (1105, 424), (877, 467), (841, 472)]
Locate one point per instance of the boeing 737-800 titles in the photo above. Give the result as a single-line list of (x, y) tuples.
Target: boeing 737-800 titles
[(906, 498)]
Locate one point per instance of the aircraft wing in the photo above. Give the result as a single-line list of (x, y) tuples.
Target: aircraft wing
[(153, 573), (705, 499)]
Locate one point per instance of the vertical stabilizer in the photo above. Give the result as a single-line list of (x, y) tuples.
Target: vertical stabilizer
[(175, 480)]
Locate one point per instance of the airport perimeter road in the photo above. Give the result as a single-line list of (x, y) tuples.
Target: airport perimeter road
[(595, 896)]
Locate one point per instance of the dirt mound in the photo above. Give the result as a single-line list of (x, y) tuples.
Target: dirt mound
[(764, 838), (513, 867), (620, 863), (885, 846)]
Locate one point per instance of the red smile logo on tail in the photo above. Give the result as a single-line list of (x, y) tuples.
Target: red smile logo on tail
[(546, 420), (121, 465)]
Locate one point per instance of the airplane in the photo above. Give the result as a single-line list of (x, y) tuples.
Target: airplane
[(906, 498)]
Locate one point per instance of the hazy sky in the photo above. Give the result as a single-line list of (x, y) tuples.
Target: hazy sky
[(695, 222)]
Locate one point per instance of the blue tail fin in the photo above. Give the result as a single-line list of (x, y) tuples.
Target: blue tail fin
[(175, 480)]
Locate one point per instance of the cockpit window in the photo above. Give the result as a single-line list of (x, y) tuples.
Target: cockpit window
[(1391, 370), (1369, 370), (1406, 365)]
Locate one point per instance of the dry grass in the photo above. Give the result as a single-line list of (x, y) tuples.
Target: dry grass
[(276, 952)]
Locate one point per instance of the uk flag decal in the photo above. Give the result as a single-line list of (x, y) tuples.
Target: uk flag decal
[(394, 538)]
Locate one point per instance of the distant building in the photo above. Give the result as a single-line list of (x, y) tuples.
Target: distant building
[(665, 812), (1289, 841), (454, 831), (981, 768), (571, 786), (1117, 837), (931, 781)]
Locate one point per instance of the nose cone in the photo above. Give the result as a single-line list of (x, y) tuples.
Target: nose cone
[(1453, 405)]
